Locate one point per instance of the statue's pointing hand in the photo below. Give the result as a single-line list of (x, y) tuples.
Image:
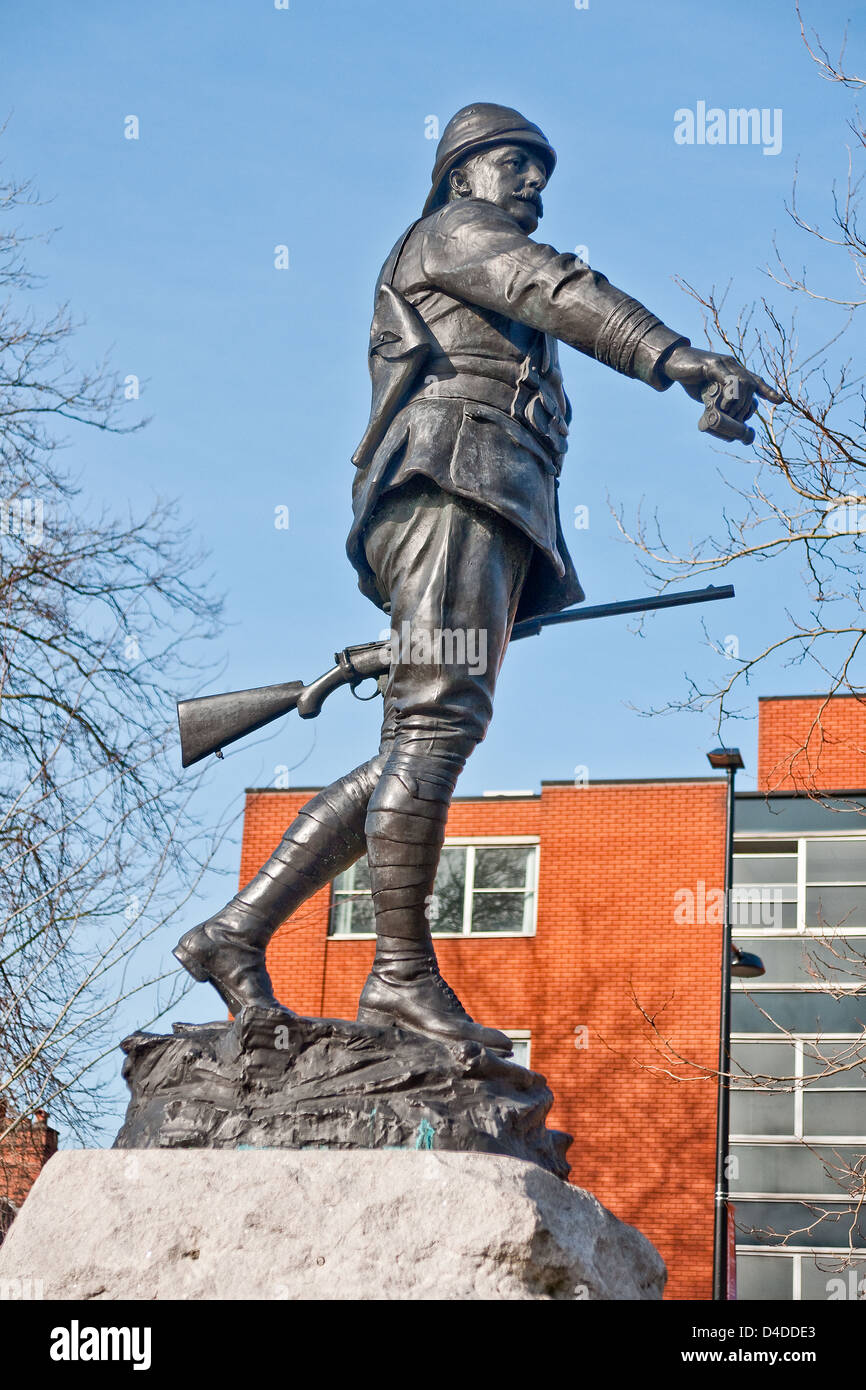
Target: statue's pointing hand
[(726, 387)]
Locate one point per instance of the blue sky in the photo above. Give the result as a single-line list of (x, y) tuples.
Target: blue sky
[(306, 127)]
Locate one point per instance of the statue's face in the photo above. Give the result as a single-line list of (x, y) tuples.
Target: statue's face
[(511, 176)]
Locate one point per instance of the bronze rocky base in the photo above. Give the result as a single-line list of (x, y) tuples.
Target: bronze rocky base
[(272, 1080)]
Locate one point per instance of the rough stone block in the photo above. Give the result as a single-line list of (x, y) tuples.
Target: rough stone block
[(283, 1224)]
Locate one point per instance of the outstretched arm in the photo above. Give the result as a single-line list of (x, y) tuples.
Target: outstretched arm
[(477, 252)]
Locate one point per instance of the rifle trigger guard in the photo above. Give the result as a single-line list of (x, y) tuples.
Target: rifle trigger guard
[(364, 699)]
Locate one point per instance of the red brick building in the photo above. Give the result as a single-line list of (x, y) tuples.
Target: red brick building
[(571, 914), (24, 1151), (810, 741)]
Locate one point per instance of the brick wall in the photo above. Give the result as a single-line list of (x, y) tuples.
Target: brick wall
[(611, 857), (812, 743), (23, 1154)]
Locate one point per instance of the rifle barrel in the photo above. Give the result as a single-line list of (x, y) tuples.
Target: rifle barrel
[(213, 721), (531, 627)]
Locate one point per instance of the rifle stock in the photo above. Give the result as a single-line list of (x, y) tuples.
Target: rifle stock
[(211, 722)]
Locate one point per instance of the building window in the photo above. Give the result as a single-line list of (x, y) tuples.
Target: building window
[(803, 1088), (808, 1275), (483, 888), (798, 1053), (521, 1045), (813, 884)]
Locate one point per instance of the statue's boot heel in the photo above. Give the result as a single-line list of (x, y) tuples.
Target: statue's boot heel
[(190, 962), (217, 953), (376, 1019)]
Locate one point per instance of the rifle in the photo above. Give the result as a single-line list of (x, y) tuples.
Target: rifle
[(208, 724)]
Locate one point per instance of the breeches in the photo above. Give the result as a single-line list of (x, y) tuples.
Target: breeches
[(452, 572)]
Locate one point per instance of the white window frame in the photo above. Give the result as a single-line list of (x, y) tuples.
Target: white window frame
[(471, 843), (802, 931), (521, 1035), (796, 1254), (797, 1041)]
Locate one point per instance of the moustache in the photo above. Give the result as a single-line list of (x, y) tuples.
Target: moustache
[(534, 199)]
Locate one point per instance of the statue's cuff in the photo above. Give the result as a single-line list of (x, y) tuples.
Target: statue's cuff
[(633, 341), (653, 352)]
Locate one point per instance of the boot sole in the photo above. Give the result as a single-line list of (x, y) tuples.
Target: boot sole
[(233, 1002), (377, 1019)]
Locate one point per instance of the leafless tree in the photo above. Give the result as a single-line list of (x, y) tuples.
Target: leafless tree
[(801, 502), (102, 626)]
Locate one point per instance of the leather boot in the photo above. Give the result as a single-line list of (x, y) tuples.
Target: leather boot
[(405, 830), (326, 837)]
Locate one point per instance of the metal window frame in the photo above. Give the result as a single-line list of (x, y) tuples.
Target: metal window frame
[(797, 1041), (802, 881), (796, 1254), (802, 932)]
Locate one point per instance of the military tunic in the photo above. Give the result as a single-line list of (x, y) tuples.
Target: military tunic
[(486, 418)]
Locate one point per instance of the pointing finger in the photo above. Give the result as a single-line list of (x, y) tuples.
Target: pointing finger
[(769, 393)]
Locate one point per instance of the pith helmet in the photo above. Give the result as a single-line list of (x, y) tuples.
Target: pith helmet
[(479, 127)]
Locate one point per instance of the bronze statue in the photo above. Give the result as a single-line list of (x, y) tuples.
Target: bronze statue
[(456, 530)]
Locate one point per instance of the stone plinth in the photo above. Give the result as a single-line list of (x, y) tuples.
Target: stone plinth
[(282, 1224)]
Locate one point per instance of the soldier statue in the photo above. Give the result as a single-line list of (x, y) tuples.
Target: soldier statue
[(456, 527)]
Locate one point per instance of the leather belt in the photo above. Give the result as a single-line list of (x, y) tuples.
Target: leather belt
[(522, 399)]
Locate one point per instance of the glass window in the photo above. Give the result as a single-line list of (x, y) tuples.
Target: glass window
[(758, 1061), (836, 861), (836, 961), (501, 884), (835, 909), (766, 881), (497, 912), (479, 888), (501, 867), (808, 959), (835, 1064), (352, 907), (833, 1112), (797, 1011), (793, 1168), (449, 891), (765, 868), (819, 1222), (821, 1275), (819, 1091), (520, 1047), (765, 1276), (774, 846), (762, 1112), (832, 1278), (763, 906), (813, 1121)]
